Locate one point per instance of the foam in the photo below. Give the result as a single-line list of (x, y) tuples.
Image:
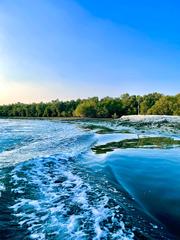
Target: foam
[(31, 139), (150, 118), (58, 203), (53, 198), (2, 188)]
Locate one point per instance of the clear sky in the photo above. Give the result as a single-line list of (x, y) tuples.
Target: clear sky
[(68, 49)]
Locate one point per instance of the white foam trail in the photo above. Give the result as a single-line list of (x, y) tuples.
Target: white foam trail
[(39, 138), (58, 203)]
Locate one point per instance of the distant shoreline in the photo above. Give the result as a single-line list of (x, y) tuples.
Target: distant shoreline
[(58, 118), (124, 118), (100, 108)]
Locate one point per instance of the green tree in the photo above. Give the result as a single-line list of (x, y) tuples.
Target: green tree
[(153, 103), (147, 101), (164, 106), (130, 104), (87, 108)]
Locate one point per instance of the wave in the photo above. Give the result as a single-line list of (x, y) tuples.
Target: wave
[(44, 139), (52, 201), (47, 193)]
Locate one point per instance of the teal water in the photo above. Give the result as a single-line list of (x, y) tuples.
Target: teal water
[(53, 186)]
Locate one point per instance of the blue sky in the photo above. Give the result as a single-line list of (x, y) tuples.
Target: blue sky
[(81, 48)]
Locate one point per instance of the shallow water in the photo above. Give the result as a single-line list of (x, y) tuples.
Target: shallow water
[(54, 187)]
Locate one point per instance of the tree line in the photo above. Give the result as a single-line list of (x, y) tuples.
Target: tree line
[(108, 107)]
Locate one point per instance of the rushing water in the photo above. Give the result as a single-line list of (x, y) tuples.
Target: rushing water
[(53, 186)]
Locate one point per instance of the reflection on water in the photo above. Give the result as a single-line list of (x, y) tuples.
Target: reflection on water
[(152, 178), (54, 187), (143, 142)]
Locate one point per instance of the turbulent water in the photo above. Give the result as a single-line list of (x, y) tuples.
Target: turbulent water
[(53, 186)]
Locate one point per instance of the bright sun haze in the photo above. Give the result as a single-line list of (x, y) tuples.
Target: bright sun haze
[(72, 49)]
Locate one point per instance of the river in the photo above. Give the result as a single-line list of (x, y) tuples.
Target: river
[(55, 185)]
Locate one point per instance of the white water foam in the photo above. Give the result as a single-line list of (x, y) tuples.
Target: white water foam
[(43, 138), (54, 203)]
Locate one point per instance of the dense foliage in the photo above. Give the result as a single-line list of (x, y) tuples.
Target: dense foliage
[(153, 103)]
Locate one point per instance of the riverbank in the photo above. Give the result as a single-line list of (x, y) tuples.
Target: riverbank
[(133, 118)]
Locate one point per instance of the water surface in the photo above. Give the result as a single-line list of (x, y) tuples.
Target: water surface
[(53, 186)]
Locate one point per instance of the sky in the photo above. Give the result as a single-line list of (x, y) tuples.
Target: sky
[(71, 49)]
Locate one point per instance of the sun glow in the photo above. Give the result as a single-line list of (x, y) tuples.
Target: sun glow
[(11, 92)]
